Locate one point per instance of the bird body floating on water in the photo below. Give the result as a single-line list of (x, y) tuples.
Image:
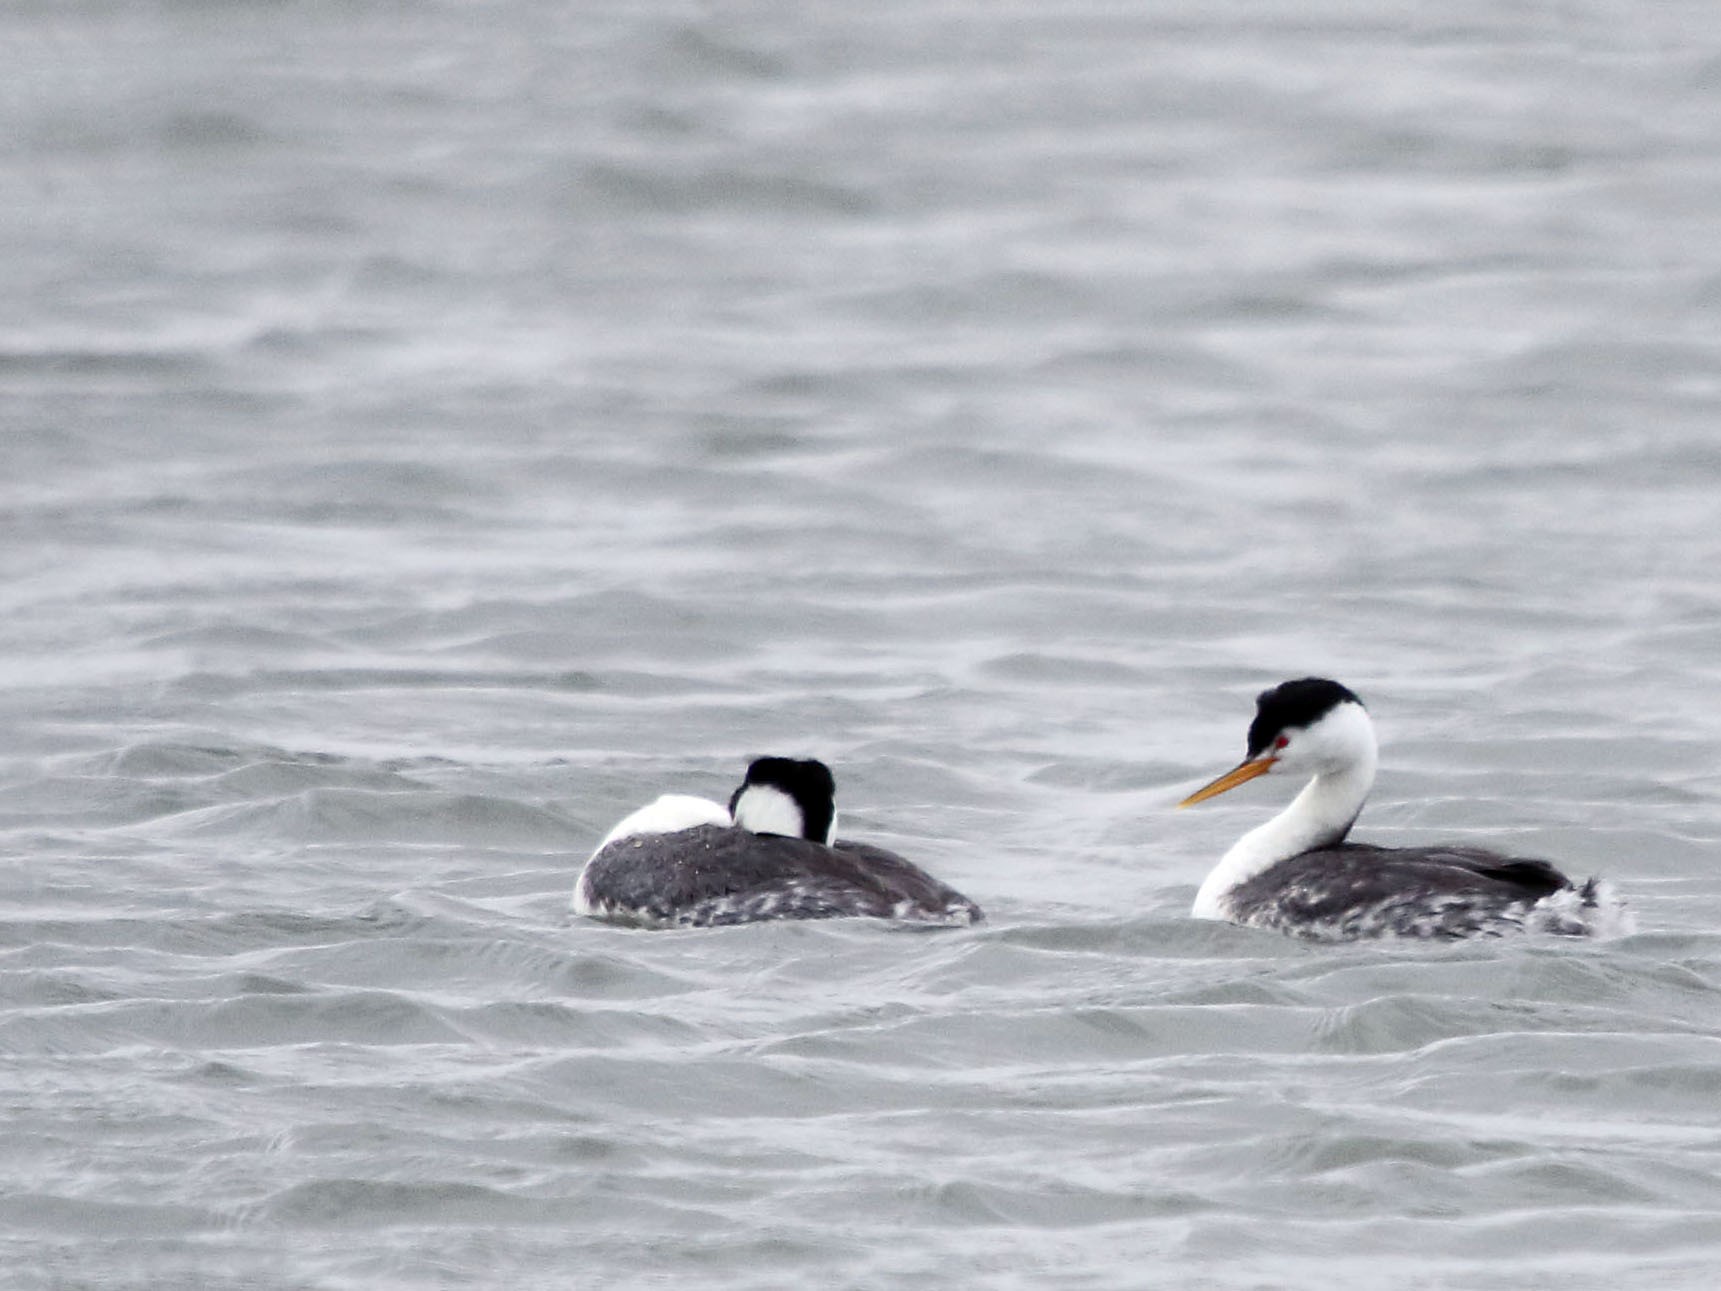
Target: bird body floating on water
[(1298, 873), (685, 862)]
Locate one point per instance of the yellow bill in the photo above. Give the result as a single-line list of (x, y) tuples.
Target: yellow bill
[(1242, 773)]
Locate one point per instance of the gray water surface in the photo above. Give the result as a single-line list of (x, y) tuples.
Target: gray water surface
[(428, 431)]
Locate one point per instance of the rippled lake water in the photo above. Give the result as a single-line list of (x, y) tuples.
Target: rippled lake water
[(431, 430)]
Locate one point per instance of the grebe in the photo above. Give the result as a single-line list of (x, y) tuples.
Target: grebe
[(1296, 873), (683, 862)]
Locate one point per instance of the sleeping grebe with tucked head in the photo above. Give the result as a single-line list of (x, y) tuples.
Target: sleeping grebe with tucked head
[(1298, 873), (685, 862)]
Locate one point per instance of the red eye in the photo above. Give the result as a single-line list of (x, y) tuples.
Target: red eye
[(1281, 742)]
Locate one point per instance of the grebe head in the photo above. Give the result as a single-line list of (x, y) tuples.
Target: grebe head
[(1309, 727), (790, 796)]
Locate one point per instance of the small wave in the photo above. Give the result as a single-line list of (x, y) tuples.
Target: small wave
[(1395, 1024), (411, 816), (38, 1212), (635, 189), (367, 1203), (364, 1017)]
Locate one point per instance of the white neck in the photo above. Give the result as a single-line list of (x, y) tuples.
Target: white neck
[(1319, 816)]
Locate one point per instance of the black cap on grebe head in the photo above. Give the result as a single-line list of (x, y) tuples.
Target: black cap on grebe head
[(1311, 726), (792, 796), (1294, 706)]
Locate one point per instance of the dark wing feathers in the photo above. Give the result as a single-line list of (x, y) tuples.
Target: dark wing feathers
[(725, 874), (1356, 889)]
